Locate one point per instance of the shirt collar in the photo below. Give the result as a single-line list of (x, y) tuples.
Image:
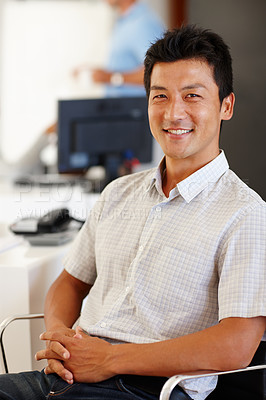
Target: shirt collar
[(194, 184), (156, 180)]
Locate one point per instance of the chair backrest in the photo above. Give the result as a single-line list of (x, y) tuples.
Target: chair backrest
[(3, 325), (250, 385)]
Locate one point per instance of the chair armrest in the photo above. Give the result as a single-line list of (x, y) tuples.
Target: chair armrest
[(176, 379), (5, 324)]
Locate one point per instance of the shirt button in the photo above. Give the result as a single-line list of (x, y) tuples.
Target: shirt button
[(141, 248), (158, 209), (103, 324), (127, 289)]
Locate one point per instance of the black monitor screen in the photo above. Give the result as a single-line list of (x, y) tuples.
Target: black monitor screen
[(102, 132)]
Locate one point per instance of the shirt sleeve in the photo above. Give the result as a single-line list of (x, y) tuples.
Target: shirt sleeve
[(242, 283)]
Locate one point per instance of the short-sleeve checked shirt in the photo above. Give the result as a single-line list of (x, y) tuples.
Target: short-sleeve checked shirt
[(166, 267)]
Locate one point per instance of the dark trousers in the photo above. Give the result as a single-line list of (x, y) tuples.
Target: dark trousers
[(36, 385)]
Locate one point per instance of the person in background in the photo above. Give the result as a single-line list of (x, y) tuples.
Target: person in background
[(135, 29), (171, 259)]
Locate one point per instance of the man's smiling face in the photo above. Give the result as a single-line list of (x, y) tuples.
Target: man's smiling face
[(185, 112)]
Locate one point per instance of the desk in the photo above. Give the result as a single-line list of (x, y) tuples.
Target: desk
[(26, 272)]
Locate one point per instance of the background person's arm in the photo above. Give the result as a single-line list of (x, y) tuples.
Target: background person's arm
[(99, 75), (134, 77)]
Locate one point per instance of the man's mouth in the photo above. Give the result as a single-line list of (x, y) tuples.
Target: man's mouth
[(178, 131)]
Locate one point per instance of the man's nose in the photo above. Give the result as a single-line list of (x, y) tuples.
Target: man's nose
[(176, 110)]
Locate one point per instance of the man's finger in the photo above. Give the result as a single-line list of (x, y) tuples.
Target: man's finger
[(51, 336), (56, 351), (59, 349), (57, 335), (79, 333), (56, 367)]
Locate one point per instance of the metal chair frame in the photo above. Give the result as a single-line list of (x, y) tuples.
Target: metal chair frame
[(3, 327), (171, 383), (168, 386)]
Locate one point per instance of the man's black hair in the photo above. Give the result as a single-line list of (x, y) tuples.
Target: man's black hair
[(192, 42)]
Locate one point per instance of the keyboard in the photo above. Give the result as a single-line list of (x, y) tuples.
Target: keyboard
[(50, 180)]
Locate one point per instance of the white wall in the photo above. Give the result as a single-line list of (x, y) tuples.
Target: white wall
[(2, 3), (42, 41)]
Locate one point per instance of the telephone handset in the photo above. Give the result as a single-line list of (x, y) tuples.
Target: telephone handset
[(56, 220)]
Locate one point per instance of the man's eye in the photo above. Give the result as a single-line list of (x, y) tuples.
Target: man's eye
[(160, 96), (192, 95)]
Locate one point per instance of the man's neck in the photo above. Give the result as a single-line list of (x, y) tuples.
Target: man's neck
[(178, 170)]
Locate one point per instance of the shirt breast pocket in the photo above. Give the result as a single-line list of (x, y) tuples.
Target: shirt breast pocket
[(178, 280)]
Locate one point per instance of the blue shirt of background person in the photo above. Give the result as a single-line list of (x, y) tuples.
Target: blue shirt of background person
[(133, 33)]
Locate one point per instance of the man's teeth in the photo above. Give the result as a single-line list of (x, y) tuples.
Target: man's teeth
[(178, 131)]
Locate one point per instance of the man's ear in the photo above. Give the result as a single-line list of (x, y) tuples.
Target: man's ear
[(227, 108)]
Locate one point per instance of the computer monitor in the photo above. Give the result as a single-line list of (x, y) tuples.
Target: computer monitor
[(105, 131)]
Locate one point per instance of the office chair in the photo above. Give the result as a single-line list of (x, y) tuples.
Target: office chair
[(3, 327), (242, 384)]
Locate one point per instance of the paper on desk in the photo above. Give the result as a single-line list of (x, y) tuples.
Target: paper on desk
[(8, 242)]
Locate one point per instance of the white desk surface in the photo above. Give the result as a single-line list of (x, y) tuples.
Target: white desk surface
[(26, 272)]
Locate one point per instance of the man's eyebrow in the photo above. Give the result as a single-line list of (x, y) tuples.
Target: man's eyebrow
[(194, 86), (187, 87), (155, 87)]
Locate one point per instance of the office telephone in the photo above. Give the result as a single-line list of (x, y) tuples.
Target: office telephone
[(54, 221), (57, 220)]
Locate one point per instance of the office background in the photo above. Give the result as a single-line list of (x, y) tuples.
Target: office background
[(41, 41), (242, 24)]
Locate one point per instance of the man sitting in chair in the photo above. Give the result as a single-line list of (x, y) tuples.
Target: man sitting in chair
[(172, 259)]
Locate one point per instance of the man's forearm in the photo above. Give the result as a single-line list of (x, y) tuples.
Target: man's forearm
[(63, 301), (229, 345), (62, 309)]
